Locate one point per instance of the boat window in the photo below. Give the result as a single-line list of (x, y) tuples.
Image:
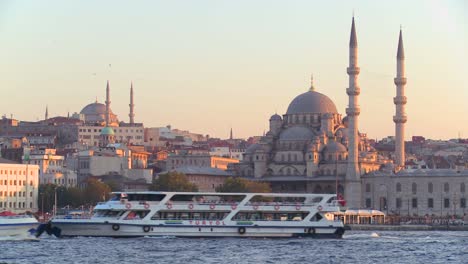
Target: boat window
[(317, 217), (190, 215), (155, 197), (265, 199), (331, 199), (270, 216), (137, 214), (207, 199)]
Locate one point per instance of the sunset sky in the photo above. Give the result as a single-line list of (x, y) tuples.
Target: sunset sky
[(207, 66)]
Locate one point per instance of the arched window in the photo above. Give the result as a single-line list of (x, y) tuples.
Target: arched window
[(289, 156), (462, 187), (446, 187), (414, 188), (339, 157), (398, 187), (430, 187), (288, 171)]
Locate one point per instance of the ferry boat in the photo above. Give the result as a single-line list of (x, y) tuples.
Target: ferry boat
[(184, 214), (16, 225)]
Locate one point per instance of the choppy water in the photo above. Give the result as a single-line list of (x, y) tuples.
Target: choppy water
[(355, 247)]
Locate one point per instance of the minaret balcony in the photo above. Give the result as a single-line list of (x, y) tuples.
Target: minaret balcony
[(399, 119), (399, 81), (399, 100), (353, 91), (354, 111), (353, 70)]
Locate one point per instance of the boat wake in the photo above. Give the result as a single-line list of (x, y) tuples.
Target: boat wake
[(361, 236), (19, 238)]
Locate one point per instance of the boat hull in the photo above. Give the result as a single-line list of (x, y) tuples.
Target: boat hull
[(70, 229), (17, 229)]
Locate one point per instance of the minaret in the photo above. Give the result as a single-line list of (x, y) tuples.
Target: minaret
[(46, 112), (400, 101), (132, 106), (353, 176), (107, 104), (230, 135)]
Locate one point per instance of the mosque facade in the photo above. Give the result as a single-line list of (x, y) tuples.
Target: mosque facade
[(312, 147)]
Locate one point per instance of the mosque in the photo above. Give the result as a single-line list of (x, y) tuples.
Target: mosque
[(313, 148)]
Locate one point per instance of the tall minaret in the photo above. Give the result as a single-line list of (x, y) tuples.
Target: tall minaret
[(353, 176), (400, 101), (46, 112), (230, 135), (107, 104), (132, 106)]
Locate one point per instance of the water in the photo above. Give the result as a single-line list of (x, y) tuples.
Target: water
[(355, 247)]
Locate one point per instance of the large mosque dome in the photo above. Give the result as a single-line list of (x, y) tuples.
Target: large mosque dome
[(311, 102), (94, 109), (96, 113)]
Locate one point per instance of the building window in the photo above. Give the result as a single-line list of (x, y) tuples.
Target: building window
[(446, 187), (414, 188), (463, 203), (430, 203), (367, 187), (462, 187), (368, 202), (398, 187), (414, 202), (446, 203), (430, 187), (398, 202)]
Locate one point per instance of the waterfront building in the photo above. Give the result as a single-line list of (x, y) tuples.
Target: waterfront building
[(52, 168), (207, 179), (18, 186), (175, 161)]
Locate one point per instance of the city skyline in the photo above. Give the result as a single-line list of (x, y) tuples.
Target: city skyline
[(212, 66)]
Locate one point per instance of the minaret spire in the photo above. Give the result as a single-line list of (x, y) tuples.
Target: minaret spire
[(132, 106), (230, 135), (46, 112), (400, 102), (312, 87), (353, 175), (107, 104)]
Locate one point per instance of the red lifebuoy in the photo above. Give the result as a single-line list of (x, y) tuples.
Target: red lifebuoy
[(190, 206), (169, 206), (255, 207), (128, 205), (146, 206), (320, 208), (233, 206), (212, 206), (298, 207), (277, 207)]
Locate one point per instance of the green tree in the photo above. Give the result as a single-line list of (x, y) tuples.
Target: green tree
[(173, 182), (46, 197), (237, 184), (96, 191)]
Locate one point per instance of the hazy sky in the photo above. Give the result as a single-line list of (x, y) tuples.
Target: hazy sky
[(207, 66)]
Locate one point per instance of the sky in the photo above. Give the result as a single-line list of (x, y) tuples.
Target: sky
[(206, 66)]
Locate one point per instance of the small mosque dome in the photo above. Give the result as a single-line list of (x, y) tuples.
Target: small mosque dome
[(276, 117), (333, 147), (107, 131)]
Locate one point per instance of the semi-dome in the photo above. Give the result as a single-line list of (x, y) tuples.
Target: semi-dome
[(297, 133), (334, 147), (252, 148), (311, 102)]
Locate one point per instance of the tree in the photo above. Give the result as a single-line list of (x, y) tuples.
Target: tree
[(96, 191), (236, 184), (173, 182)]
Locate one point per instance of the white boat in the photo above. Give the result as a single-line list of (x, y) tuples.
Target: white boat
[(17, 225), (178, 214)]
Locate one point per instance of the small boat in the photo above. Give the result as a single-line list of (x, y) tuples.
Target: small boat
[(12, 224), (184, 214)]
